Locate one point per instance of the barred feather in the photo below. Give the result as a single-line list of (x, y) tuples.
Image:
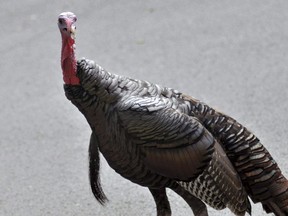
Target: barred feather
[(258, 171), (158, 137)]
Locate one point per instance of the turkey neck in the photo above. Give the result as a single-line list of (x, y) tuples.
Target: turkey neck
[(68, 61)]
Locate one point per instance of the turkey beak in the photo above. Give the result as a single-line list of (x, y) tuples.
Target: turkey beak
[(73, 31)]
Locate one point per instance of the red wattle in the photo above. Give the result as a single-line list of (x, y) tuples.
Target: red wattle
[(68, 62), (71, 80)]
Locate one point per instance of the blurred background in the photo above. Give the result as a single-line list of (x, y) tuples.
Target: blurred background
[(230, 54)]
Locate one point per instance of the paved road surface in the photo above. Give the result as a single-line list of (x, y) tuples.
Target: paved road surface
[(232, 55)]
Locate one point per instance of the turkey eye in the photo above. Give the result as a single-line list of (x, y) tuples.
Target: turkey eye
[(60, 21), (65, 29)]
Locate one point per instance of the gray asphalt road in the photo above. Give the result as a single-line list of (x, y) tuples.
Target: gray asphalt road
[(230, 54)]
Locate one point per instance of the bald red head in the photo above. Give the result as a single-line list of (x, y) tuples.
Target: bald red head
[(66, 24)]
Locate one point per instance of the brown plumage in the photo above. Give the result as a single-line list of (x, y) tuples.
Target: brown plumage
[(160, 138)]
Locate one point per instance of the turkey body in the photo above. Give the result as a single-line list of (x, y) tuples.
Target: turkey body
[(160, 138)]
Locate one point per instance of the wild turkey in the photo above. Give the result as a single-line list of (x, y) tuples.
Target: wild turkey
[(161, 138)]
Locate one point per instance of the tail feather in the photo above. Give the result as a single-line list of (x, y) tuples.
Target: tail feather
[(260, 174), (278, 200)]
